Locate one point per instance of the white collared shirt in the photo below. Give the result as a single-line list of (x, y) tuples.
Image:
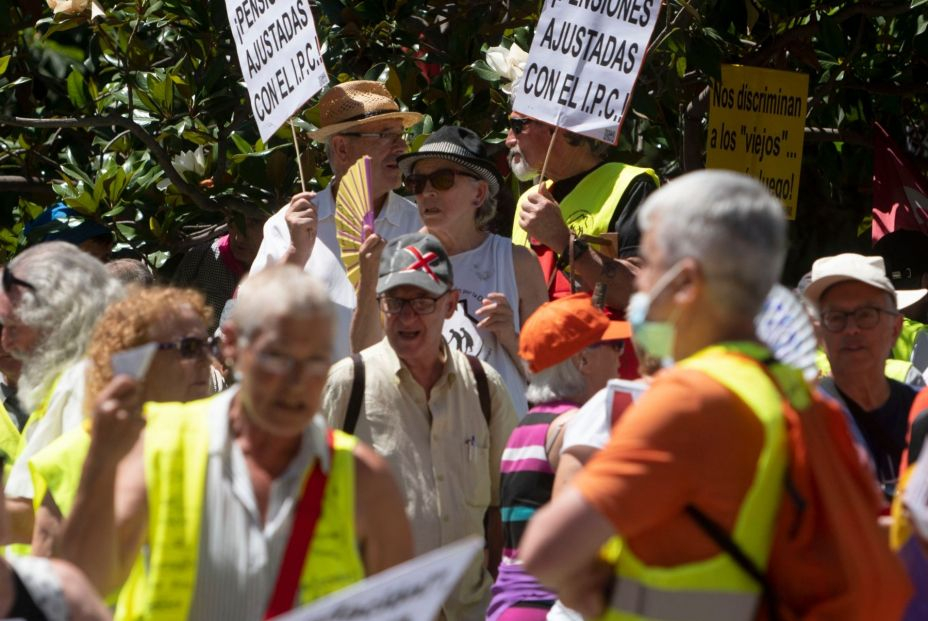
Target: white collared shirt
[(398, 217), (240, 556)]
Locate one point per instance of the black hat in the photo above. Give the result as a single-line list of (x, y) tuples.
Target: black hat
[(459, 145), (906, 255), (415, 259)]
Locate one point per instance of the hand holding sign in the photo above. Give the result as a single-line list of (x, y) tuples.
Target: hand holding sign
[(117, 420), (302, 222), (540, 216)]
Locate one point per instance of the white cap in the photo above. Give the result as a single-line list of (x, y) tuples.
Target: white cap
[(829, 271)]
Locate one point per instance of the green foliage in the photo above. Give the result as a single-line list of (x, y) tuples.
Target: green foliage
[(170, 66)]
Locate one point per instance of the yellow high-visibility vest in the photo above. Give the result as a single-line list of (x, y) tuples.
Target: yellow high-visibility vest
[(718, 588), (176, 453), (588, 208)]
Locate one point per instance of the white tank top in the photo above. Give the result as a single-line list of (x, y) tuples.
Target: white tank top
[(488, 268)]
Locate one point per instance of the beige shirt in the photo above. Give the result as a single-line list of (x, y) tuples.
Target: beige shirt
[(441, 451)]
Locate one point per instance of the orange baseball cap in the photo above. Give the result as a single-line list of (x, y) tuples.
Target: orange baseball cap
[(561, 328)]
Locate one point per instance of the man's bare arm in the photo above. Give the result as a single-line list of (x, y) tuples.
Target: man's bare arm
[(381, 525), (365, 321)]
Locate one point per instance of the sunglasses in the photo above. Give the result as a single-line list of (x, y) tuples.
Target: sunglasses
[(518, 124), (10, 281), (441, 180), (192, 346)]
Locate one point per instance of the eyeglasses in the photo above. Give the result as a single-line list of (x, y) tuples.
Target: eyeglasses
[(518, 124), (382, 136), (10, 281), (441, 180), (192, 346), (420, 306), (617, 346), (280, 364), (865, 318)]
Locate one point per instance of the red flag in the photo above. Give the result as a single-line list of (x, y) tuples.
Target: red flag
[(899, 190)]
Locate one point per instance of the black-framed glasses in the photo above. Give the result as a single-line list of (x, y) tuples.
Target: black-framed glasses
[(865, 318), (382, 136), (10, 281), (617, 346), (420, 306), (441, 180), (518, 124), (192, 346)]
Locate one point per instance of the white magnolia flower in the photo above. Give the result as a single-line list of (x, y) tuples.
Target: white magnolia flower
[(193, 161), (508, 63), (70, 7)]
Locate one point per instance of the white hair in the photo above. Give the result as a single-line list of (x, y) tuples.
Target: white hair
[(730, 224), (275, 292), (72, 289), (562, 381)]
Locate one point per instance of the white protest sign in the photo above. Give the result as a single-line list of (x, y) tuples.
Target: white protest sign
[(583, 63), (413, 591), (278, 51)]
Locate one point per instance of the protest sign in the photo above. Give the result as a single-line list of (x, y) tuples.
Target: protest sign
[(583, 63), (756, 123), (278, 51), (413, 591)]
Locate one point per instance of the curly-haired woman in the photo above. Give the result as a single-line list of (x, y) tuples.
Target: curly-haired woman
[(176, 320)]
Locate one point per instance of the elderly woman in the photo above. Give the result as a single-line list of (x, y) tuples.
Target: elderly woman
[(572, 350), (176, 320), (456, 184)]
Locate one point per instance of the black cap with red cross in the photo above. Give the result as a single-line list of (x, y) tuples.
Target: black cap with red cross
[(417, 260)]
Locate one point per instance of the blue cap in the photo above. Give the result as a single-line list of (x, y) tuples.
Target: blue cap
[(57, 223)]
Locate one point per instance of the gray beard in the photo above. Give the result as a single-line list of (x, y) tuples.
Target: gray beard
[(521, 168)]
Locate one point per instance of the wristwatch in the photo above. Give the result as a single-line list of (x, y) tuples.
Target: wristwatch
[(580, 248)]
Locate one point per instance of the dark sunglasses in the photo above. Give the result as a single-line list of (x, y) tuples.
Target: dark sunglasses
[(10, 281), (518, 124), (441, 180), (192, 346)]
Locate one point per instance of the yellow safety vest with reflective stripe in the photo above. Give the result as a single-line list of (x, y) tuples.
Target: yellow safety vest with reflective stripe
[(718, 588), (176, 454), (588, 208)]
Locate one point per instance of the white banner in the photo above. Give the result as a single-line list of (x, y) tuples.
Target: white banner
[(278, 51), (584, 60), (413, 591)]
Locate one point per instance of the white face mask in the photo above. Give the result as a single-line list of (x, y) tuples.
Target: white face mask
[(655, 338)]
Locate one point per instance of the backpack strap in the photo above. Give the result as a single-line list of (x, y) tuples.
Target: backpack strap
[(483, 387), (720, 536), (356, 398)]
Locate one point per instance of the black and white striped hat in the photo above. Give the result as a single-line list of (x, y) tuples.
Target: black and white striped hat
[(461, 146)]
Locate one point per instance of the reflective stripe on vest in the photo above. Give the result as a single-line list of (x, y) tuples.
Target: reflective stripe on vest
[(717, 587), (601, 190), (176, 455)]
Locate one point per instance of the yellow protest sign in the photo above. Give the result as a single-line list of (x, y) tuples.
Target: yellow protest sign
[(756, 123)]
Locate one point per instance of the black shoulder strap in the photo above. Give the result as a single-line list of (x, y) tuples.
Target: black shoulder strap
[(718, 534), (357, 395), (483, 387)]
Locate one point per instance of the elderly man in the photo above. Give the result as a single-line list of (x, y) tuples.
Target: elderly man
[(440, 418), (357, 118), (859, 322), (51, 298), (217, 486), (586, 195), (713, 245)]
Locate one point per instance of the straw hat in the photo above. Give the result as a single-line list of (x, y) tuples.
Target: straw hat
[(354, 104)]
